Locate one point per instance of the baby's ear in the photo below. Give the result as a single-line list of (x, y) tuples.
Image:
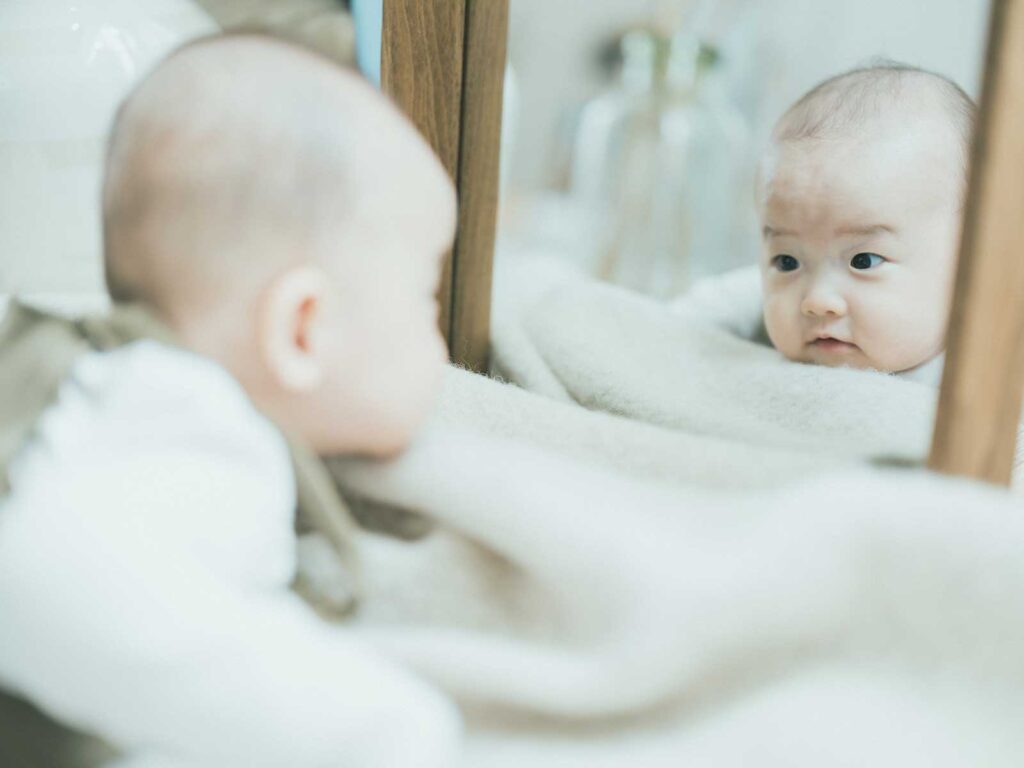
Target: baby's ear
[(292, 330)]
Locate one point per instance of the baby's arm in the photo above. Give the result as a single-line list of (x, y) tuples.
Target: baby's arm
[(112, 625)]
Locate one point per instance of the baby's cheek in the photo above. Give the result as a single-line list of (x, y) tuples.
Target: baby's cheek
[(903, 332), (780, 322), (930, 332)]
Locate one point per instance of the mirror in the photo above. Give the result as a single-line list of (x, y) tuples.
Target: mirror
[(636, 133)]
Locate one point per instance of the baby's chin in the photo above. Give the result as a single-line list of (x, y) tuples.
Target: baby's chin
[(857, 359), (837, 355)]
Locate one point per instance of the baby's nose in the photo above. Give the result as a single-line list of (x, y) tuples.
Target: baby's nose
[(822, 301)]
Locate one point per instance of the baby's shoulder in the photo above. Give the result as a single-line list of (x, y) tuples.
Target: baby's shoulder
[(150, 389), (149, 399), (149, 441)]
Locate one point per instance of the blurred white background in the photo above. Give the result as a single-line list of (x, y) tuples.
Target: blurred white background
[(66, 63), (773, 52)]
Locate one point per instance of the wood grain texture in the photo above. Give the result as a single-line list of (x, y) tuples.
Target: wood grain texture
[(421, 69), (980, 401), (479, 170)]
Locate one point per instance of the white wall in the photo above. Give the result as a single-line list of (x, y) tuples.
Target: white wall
[(776, 50)]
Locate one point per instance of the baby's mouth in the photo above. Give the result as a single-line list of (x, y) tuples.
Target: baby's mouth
[(832, 344)]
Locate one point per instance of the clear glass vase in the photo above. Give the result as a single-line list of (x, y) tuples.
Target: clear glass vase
[(662, 168)]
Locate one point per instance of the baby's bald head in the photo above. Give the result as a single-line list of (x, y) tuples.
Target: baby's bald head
[(883, 98), (288, 222), (238, 157)]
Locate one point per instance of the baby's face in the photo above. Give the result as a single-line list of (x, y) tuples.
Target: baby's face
[(389, 353), (860, 238)]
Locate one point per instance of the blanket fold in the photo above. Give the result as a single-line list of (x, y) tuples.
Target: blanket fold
[(700, 565)]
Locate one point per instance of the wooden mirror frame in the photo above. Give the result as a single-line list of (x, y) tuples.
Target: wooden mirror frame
[(980, 401), (428, 50)]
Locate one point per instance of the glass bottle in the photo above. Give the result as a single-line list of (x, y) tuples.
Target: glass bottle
[(614, 163), (705, 210), (662, 167)]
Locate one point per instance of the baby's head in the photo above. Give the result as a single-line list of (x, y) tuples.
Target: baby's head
[(286, 220), (860, 197)]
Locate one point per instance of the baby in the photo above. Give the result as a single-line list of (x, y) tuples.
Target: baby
[(860, 198), (283, 226)]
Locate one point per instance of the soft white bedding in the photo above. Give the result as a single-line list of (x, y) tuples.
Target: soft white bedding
[(706, 565)]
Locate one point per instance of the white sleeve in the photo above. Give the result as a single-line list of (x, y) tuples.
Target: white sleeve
[(112, 624)]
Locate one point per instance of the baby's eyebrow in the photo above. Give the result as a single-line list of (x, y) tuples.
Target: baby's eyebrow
[(767, 231), (865, 231)]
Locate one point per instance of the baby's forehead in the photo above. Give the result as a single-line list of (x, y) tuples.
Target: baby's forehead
[(880, 124), (886, 163)]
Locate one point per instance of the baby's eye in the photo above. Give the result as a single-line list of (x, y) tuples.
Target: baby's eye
[(785, 263), (866, 261)]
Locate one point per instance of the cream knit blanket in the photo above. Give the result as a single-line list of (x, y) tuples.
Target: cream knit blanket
[(702, 565)]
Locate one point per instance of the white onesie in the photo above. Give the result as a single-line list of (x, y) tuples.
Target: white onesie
[(146, 551)]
